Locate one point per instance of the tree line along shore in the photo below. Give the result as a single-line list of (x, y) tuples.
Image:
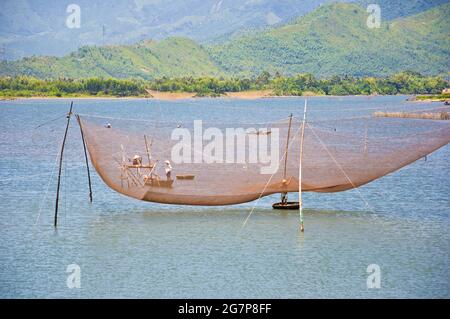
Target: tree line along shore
[(263, 85)]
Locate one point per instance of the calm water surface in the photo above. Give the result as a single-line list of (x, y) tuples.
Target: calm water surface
[(129, 248)]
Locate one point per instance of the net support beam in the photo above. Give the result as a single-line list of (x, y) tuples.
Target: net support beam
[(85, 158), (300, 201), (60, 164), (284, 195)]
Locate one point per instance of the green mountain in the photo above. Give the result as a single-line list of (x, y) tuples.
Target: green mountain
[(335, 39), (332, 40), (38, 27), (392, 9), (173, 57)]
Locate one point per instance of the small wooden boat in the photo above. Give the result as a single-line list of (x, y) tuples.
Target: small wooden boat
[(188, 177), (286, 205)]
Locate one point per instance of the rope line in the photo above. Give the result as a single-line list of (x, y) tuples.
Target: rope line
[(48, 187), (267, 184), (172, 122), (50, 121), (341, 168)]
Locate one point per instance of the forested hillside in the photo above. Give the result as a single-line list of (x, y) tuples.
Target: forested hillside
[(335, 39), (332, 40)]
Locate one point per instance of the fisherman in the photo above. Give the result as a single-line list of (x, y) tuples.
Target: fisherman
[(137, 160), (168, 169)]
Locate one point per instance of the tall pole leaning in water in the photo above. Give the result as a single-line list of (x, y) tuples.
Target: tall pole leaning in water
[(60, 164), (300, 201), (85, 157)]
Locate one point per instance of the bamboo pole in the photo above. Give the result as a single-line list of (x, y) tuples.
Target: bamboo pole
[(300, 201), (287, 147), (148, 150), (85, 157), (60, 164), (283, 195)]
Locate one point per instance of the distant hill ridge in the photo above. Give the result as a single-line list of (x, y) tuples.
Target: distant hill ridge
[(332, 40)]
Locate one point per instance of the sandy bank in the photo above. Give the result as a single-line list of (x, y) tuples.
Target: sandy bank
[(250, 95), (170, 95)]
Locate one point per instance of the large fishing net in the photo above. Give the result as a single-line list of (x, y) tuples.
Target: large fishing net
[(225, 164)]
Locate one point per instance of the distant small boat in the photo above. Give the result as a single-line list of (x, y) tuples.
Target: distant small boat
[(189, 177)]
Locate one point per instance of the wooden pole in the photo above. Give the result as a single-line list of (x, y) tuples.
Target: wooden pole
[(86, 158), (300, 202), (283, 195), (147, 149), (60, 163), (287, 147)]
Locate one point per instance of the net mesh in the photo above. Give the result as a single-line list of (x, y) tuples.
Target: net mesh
[(257, 161)]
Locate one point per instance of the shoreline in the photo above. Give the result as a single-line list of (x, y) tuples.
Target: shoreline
[(187, 98), (244, 95)]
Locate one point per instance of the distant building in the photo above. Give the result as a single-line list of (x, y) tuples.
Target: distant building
[(446, 91)]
